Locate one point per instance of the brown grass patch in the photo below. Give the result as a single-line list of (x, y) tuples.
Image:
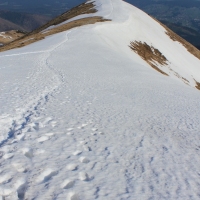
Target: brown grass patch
[(37, 34), (180, 77), (197, 85), (149, 54), (190, 48), (185, 80), (9, 36), (84, 8)]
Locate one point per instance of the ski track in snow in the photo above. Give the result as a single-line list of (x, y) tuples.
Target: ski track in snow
[(78, 136)]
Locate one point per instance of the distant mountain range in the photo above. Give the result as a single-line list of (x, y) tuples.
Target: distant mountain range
[(183, 17), (21, 21)]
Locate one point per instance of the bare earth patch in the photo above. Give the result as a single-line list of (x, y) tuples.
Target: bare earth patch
[(39, 34), (151, 55)]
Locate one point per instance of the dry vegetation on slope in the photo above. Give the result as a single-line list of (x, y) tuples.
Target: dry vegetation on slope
[(149, 54), (39, 34), (190, 48), (197, 85), (9, 36), (153, 57), (193, 50), (85, 8)]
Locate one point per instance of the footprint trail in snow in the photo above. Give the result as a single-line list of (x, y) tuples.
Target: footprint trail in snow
[(84, 124)]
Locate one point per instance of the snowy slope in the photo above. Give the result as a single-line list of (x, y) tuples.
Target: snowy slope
[(82, 116)]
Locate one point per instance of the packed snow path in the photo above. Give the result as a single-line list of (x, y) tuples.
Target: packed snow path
[(81, 120)]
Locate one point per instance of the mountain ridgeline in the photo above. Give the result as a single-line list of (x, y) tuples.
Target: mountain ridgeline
[(183, 17), (99, 103)]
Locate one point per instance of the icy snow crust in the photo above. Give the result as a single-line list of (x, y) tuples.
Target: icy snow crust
[(84, 117)]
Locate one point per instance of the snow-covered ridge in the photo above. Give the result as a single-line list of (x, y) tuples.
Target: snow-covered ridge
[(137, 26), (78, 16), (83, 116), (133, 25)]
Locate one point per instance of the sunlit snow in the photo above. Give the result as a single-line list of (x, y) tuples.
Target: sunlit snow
[(84, 117)]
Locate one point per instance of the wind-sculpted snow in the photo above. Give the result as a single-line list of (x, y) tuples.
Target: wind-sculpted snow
[(83, 117)]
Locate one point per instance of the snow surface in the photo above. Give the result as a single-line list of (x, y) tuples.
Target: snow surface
[(84, 117)]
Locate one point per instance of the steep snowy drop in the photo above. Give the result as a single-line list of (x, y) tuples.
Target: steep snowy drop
[(101, 103)]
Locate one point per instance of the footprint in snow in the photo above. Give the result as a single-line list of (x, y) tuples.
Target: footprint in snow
[(1, 154), (83, 176), (47, 120), (72, 167), (67, 184), (84, 160), (46, 175), (83, 142), (50, 134), (82, 126), (8, 156), (72, 196), (20, 167), (20, 187), (76, 153), (35, 126), (20, 137), (39, 151), (43, 139), (27, 152), (70, 133), (5, 191), (5, 178), (53, 123), (87, 148)]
